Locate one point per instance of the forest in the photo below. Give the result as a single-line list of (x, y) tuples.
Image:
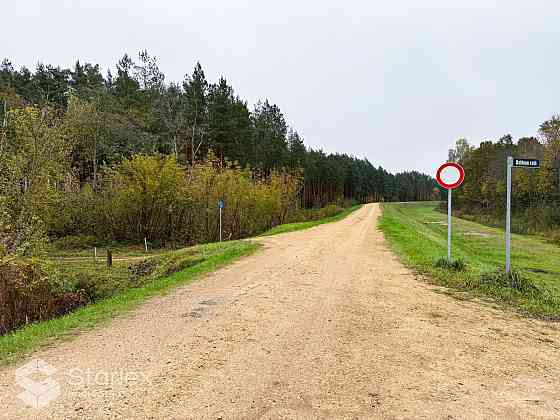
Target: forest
[(128, 155), (535, 192)]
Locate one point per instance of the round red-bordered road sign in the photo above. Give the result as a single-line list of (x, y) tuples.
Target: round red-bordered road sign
[(450, 175)]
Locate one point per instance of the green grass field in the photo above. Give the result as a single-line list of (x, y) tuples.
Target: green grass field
[(417, 232)]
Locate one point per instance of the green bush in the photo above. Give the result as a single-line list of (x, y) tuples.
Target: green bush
[(455, 265), (88, 284)]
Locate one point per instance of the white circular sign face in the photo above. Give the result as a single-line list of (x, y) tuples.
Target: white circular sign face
[(450, 175)]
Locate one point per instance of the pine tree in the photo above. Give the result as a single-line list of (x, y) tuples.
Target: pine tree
[(196, 107)]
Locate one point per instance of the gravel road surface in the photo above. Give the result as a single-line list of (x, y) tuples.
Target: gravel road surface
[(320, 324)]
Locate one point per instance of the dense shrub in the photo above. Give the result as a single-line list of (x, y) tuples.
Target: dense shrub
[(142, 269), (29, 293)]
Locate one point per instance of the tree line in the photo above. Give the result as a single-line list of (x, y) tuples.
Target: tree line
[(535, 192), (70, 138), (136, 111)]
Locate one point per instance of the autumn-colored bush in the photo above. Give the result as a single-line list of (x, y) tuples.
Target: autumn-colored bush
[(31, 291), (28, 293), (153, 197)]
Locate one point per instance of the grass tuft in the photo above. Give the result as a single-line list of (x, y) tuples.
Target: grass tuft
[(454, 265), (514, 280)]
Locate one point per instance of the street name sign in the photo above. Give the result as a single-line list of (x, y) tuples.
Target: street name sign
[(526, 163)]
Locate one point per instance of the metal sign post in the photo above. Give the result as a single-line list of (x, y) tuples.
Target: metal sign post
[(449, 224), (508, 214), (221, 205), (514, 163), (450, 175)]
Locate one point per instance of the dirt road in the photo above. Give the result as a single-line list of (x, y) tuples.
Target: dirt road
[(322, 323)]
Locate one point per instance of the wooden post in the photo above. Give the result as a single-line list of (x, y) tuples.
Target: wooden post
[(109, 258)]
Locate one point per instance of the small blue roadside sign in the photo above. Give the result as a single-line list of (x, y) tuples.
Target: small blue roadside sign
[(221, 204)]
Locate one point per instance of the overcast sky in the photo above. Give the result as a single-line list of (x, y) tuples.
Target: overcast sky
[(394, 81)]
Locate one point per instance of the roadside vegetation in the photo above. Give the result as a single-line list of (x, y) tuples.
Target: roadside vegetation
[(417, 232), (39, 289), (93, 292), (147, 278), (66, 278)]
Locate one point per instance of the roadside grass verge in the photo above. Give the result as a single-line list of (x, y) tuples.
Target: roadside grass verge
[(417, 233), (210, 257), (292, 227)]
